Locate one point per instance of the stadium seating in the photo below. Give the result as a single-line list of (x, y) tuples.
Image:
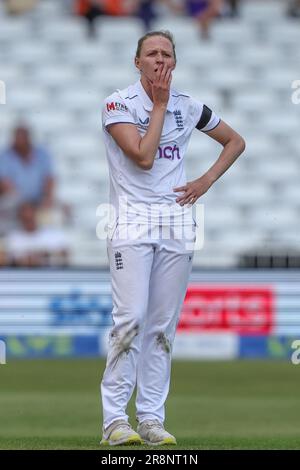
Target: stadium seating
[(57, 77)]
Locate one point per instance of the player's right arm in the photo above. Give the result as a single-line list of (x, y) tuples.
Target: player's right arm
[(142, 150)]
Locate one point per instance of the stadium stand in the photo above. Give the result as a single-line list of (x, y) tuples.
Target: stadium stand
[(57, 77)]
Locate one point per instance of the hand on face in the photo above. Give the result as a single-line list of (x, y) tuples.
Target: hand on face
[(156, 62), (160, 85)]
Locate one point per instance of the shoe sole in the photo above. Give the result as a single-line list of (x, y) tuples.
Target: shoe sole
[(168, 441), (131, 441)]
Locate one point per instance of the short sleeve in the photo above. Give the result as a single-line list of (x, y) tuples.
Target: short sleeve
[(116, 110), (205, 118)]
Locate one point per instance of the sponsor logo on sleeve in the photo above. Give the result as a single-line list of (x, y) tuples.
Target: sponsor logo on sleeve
[(144, 123), (115, 106)]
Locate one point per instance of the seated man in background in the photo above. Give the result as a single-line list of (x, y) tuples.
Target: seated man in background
[(26, 171), (26, 175), (32, 246)]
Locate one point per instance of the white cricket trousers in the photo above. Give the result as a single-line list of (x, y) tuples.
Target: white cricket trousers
[(149, 281)]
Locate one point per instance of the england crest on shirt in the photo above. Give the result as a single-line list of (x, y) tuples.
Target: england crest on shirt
[(178, 118)]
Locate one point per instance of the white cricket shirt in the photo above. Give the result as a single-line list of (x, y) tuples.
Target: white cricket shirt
[(151, 190)]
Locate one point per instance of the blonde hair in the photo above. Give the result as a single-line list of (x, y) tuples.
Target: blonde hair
[(165, 34)]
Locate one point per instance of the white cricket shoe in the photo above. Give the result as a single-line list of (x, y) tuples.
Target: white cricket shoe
[(120, 433), (153, 433)]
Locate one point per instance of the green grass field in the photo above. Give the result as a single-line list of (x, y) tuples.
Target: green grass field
[(54, 404)]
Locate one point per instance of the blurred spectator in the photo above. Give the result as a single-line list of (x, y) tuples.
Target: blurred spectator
[(26, 171), (3, 261), (232, 8), (293, 8), (146, 11), (149, 10), (91, 9), (16, 7), (204, 12), (8, 213), (119, 7), (30, 245)]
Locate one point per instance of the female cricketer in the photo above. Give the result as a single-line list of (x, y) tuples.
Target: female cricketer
[(146, 130)]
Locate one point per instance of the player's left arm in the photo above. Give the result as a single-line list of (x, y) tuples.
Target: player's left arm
[(233, 146)]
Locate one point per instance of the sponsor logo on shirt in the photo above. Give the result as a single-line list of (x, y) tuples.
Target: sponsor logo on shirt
[(178, 118), (145, 122), (115, 106), (169, 151)]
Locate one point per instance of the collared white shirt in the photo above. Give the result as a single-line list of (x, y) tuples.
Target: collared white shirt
[(152, 187)]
